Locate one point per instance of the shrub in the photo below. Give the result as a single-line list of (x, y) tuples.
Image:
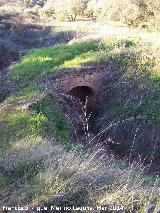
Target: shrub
[(54, 123), (111, 10)]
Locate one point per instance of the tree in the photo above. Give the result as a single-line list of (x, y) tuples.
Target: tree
[(93, 9), (132, 12), (48, 9), (69, 10)]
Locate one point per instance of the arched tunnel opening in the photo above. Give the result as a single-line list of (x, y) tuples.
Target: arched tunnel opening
[(83, 94), (83, 108)]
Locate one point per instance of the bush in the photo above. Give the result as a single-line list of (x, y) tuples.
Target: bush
[(54, 123), (111, 10)]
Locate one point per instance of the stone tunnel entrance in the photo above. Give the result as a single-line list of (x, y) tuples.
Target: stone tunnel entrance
[(83, 94), (82, 109), (80, 95)]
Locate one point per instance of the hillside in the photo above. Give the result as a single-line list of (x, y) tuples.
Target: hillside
[(93, 147)]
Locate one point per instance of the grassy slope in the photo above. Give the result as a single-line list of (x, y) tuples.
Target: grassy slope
[(43, 62), (31, 157), (138, 64)]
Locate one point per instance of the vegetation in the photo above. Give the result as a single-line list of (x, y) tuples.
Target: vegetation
[(142, 13), (93, 9), (134, 13), (41, 163), (7, 54), (63, 11), (59, 178), (19, 122), (43, 62), (136, 68), (69, 10)]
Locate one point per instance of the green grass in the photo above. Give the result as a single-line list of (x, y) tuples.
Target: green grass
[(59, 177), (43, 62), (19, 124), (2, 183), (138, 66), (45, 117), (55, 123)]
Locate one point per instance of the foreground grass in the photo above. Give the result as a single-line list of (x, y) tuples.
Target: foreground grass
[(44, 173)]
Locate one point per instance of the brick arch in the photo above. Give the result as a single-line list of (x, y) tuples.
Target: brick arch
[(70, 83), (82, 77), (81, 83)]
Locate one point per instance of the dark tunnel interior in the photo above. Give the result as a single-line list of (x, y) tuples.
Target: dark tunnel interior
[(81, 93)]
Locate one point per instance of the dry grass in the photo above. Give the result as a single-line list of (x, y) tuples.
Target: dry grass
[(55, 176), (104, 30)]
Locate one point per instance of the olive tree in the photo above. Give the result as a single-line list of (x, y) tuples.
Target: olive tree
[(48, 9), (132, 12), (69, 10), (92, 9)]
